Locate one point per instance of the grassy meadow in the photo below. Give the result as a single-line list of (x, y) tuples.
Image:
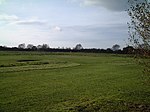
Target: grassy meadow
[(71, 82)]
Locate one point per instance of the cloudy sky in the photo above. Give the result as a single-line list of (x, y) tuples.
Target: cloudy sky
[(64, 23)]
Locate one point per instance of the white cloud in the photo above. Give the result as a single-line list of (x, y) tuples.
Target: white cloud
[(30, 22), (102, 36), (2, 1), (89, 36), (8, 18), (56, 29), (114, 5), (12, 35), (13, 19)]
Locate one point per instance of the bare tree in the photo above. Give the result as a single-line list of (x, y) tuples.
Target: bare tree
[(45, 46), (30, 46), (39, 46), (115, 47), (139, 30), (78, 47), (34, 48), (139, 27), (22, 46)]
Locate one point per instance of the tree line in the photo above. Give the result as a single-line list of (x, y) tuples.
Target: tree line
[(78, 48)]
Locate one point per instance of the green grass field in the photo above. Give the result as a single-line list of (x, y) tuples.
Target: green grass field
[(71, 82)]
